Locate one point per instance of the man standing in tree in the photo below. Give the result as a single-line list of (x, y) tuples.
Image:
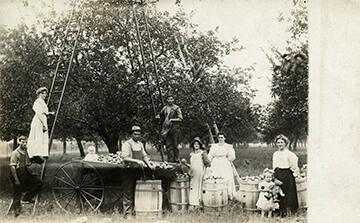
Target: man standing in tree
[(170, 131), (22, 180)]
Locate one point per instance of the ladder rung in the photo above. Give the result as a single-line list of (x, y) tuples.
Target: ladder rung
[(56, 92), (59, 80), (62, 70)]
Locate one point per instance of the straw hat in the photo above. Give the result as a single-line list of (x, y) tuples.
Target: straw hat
[(40, 90), (136, 128), (197, 139)]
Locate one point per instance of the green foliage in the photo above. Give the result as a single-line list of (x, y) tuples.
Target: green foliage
[(20, 68), (106, 91), (288, 114)]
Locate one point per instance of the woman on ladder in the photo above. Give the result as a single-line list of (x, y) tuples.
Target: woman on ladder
[(38, 141)]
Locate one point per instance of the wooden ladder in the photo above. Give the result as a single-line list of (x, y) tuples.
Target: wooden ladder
[(59, 82)]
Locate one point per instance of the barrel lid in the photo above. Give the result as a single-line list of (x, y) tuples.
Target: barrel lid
[(148, 182), (252, 182)]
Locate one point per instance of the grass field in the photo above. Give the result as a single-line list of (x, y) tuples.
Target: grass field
[(249, 161)]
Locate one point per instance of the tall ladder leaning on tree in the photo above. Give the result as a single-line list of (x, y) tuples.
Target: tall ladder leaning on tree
[(195, 68), (142, 28), (60, 79), (181, 46)]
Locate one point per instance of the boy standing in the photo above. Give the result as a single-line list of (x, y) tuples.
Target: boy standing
[(172, 117), (21, 178)]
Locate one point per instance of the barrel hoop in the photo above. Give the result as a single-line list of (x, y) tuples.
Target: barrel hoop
[(253, 191), (180, 187), (215, 206), (174, 203), (182, 180), (148, 190), (149, 211), (219, 190)]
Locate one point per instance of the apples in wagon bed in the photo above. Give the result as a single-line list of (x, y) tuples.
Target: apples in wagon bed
[(111, 159)]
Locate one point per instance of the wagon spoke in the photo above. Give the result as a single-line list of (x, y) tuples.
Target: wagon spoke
[(96, 198), (73, 186), (62, 188), (87, 201), (68, 176), (72, 197), (90, 182), (65, 195), (81, 201), (92, 188), (85, 176)]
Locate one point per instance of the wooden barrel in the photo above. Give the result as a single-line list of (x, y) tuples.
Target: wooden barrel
[(249, 194), (179, 194), (148, 199), (215, 195), (301, 187)]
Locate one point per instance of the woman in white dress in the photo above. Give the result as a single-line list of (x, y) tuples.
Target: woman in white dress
[(221, 155), (38, 141), (198, 162)]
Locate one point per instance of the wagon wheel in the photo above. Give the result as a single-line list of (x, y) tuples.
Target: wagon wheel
[(77, 186)]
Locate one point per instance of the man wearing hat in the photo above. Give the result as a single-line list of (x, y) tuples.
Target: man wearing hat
[(172, 117), (133, 151), (22, 180)]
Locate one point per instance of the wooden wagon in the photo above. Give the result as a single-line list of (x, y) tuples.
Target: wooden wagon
[(80, 186)]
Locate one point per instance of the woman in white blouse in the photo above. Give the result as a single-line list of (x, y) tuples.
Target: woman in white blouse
[(285, 164), (221, 155), (38, 141)]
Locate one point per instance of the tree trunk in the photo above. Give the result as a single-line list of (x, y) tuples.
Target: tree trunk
[(64, 145), (15, 143), (295, 142), (80, 146), (111, 141), (96, 146)]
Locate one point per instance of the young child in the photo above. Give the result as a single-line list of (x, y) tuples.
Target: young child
[(198, 162), (266, 201), (91, 155)]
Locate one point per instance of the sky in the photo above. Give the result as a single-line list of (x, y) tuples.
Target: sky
[(253, 22)]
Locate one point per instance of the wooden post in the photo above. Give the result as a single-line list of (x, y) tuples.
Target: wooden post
[(15, 143), (64, 145), (96, 146)]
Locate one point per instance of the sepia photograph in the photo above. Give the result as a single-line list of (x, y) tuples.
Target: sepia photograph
[(159, 111)]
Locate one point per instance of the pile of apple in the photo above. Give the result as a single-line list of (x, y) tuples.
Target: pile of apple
[(253, 179), (163, 165), (182, 175), (111, 159), (213, 178)]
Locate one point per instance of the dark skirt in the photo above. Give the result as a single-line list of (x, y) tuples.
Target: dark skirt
[(290, 200)]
